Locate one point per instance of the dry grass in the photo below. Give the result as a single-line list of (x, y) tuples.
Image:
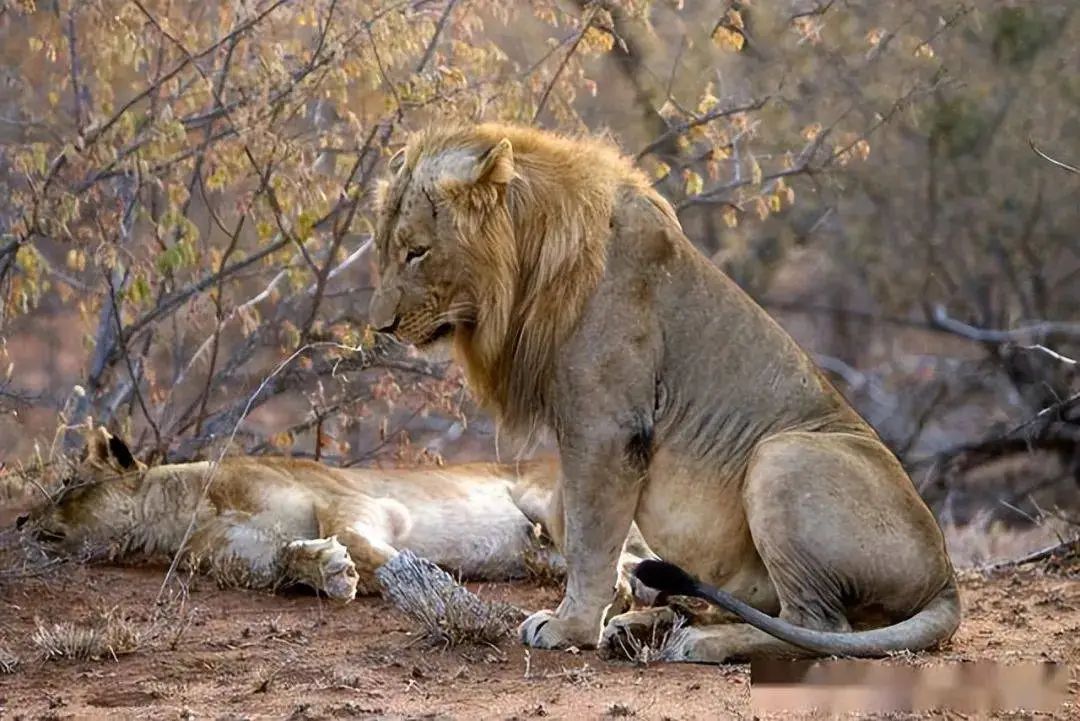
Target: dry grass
[(114, 632), (663, 644), (9, 662), (981, 543), (106, 635), (447, 612)]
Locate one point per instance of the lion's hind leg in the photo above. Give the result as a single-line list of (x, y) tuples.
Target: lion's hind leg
[(839, 527)]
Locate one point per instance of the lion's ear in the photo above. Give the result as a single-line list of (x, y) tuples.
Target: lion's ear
[(496, 165)]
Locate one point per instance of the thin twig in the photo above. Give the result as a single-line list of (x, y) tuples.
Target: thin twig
[(714, 114), (940, 318), (1044, 156), (562, 66)]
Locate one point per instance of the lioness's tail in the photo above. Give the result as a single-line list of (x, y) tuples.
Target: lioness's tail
[(935, 622)]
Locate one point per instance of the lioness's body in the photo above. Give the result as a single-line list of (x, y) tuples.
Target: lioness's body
[(575, 301), (265, 521)]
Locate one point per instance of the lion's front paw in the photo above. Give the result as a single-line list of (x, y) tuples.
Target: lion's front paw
[(544, 629), (626, 636), (325, 565)]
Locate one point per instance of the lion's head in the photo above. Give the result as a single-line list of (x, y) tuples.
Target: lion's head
[(95, 502), (495, 235)]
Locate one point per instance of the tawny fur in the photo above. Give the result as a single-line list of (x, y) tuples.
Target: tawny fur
[(528, 244), (263, 522), (576, 302)]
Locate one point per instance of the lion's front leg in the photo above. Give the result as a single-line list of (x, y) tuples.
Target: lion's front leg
[(600, 493)]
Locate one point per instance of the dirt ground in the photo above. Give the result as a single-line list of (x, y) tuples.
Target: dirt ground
[(231, 654)]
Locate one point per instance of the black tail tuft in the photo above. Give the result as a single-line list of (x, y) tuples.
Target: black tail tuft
[(666, 578)]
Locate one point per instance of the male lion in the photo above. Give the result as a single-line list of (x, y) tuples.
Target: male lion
[(265, 522), (576, 302)]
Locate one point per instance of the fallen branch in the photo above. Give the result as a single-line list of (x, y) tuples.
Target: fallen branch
[(1058, 550)]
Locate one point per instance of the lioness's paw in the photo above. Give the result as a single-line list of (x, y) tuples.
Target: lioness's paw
[(544, 629), (325, 565), (624, 636)]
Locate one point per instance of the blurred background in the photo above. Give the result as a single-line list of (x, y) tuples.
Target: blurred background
[(184, 217)]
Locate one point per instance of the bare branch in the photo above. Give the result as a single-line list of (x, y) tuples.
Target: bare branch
[(940, 318), (562, 65), (1044, 156), (699, 120)]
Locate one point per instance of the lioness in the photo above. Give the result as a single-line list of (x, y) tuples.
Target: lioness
[(264, 522), (575, 301)]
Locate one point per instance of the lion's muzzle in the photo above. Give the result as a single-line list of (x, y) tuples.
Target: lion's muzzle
[(383, 310)]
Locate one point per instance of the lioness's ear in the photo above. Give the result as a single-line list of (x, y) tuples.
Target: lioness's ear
[(105, 449), (121, 454), (496, 165)]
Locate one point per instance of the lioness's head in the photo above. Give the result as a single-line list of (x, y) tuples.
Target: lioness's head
[(495, 235), (95, 503)]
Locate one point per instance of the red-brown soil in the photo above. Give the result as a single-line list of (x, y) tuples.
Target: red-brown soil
[(234, 654)]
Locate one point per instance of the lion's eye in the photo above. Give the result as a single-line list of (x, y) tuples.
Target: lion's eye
[(414, 255)]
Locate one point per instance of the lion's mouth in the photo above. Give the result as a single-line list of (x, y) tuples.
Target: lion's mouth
[(442, 331)]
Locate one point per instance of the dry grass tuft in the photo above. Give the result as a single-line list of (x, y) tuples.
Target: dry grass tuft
[(662, 645), (107, 635), (447, 611), (9, 662)]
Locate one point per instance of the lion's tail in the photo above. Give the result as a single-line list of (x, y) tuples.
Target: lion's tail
[(934, 623)]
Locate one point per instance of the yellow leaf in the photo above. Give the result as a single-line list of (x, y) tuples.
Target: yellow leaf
[(661, 170), (761, 208), (774, 203), (731, 219), (281, 441), (712, 166), (727, 38), (755, 171), (811, 131), (708, 100), (693, 182), (598, 40)]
